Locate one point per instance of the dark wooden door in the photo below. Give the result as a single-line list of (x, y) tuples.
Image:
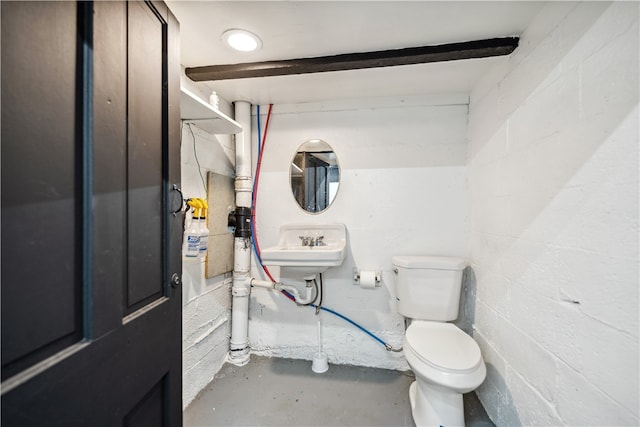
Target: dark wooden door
[(91, 319)]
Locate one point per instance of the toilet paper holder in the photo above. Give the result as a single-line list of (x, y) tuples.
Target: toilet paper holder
[(367, 278)]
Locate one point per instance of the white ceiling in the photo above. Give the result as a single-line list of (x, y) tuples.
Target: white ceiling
[(302, 29)]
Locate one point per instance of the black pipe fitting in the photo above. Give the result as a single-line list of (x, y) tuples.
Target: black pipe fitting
[(241, 221)]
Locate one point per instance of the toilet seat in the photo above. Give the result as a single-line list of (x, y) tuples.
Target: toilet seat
[(443, 346)]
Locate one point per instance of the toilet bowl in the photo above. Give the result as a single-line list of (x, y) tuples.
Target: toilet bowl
[(447, 363)]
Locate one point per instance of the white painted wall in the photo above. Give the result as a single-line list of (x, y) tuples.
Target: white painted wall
[(403, 190), (206, 302), (553, 195)]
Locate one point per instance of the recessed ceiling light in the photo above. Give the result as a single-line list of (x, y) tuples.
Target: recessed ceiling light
[(242, 40)]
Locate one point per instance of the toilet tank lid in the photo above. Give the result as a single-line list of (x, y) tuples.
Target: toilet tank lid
[(429, 261)]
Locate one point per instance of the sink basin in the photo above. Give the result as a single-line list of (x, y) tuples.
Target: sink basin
[(308, 248)]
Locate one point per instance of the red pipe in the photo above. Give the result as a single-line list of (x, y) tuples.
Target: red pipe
[(255, 197), (255, 192)]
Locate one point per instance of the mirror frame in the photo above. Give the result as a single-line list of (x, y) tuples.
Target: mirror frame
[(292, 165)]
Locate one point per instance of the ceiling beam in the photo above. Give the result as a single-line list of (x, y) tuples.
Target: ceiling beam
[(356, 61)]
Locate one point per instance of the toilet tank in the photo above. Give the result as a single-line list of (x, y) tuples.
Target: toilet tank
[(428, 287)]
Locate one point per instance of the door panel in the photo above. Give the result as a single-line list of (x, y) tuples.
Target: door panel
[(41, 288), (98, 385), (110, 164), (149, 411), (145, 132), (106, 139)]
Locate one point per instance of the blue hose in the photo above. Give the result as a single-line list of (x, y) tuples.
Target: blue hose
[(353, 323), (253, 235)]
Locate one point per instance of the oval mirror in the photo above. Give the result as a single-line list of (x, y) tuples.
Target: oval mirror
[(315, 176)]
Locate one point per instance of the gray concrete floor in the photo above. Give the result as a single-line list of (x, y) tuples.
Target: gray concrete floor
[(285, 392)]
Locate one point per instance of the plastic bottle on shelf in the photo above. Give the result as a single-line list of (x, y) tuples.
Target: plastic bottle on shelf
[(191, 242), (214, 100), (203, 230)]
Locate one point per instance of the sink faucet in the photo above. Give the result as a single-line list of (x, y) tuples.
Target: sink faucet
[(306, 240), (312, 241)]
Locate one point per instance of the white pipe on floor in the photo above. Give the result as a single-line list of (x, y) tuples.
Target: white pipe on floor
[(241, 288), (240, 292)]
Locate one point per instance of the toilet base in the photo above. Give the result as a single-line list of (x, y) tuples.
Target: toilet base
[(432, 405)]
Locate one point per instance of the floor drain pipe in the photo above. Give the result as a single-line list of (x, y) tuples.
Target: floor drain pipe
[(241, 288)]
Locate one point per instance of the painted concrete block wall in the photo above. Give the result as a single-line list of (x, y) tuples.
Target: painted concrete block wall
[(553, 195), (206, 302), (402, 190)]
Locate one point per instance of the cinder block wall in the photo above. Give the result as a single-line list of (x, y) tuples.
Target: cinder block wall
[(553, 187), (206, 303)]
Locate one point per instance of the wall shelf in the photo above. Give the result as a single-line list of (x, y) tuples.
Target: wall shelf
[(195, 110)]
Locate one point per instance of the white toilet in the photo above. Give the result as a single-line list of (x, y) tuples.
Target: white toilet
[(446, 361)]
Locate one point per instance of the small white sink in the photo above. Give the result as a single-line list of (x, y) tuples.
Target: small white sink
[(308, 248)]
